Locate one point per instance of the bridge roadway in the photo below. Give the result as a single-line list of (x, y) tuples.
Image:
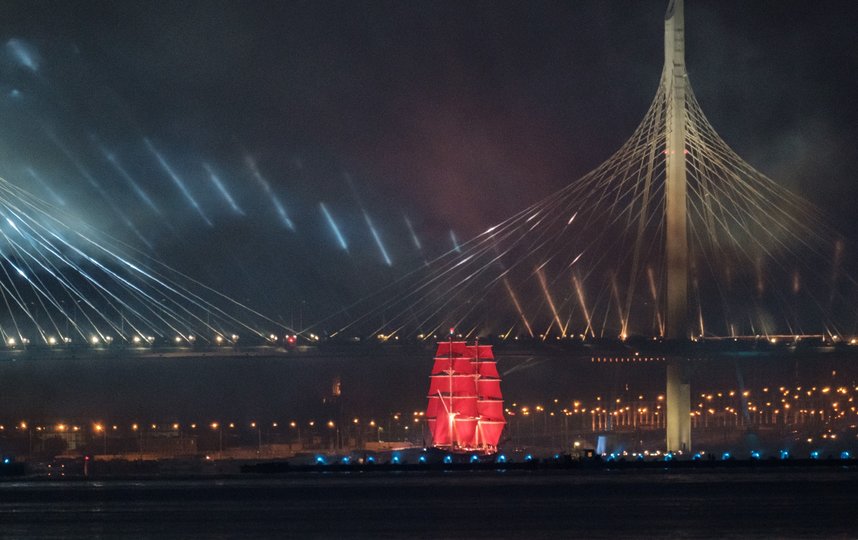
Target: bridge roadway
[(631, 350)]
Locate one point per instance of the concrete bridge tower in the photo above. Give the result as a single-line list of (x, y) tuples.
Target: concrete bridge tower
[(674, 83)]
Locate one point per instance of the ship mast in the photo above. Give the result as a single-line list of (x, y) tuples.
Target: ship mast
[(451, 413), (477, 439)]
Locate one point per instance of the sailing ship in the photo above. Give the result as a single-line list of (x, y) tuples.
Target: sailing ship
[(465, 411)]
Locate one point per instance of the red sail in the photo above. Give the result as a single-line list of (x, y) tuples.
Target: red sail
[(458, 348), (436, 407), (466, 432), (490, 409), (465, 405), (440, 405), (457, 364), (460, 385), (487, 369), (485, 352), (440, 429), (489, 388), (490, 431)]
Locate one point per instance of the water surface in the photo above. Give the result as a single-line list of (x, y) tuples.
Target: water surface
[(594, 504)]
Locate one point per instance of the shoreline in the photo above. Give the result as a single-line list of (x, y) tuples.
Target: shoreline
[(563, 467)]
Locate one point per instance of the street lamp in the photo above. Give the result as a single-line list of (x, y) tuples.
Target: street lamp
[(24, 426), (136, 428), (100, 429), (219, 428), (332, 425), (258, 437), (294, 425)]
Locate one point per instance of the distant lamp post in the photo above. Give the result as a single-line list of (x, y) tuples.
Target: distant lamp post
[(98, 428), (28, 429), (258, 428), (294, 425), (333, 425), (219, 428), (137, 429)]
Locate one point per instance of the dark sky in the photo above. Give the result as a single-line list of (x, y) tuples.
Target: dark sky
[(452, 115)]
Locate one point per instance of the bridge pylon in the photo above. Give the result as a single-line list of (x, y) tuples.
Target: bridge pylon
[(674, 83)]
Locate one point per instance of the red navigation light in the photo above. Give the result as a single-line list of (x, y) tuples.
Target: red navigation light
[(452, 330), (291, 340)]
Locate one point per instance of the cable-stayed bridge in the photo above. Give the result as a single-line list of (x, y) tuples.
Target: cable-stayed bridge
[(674, 237), (64, 284), (593, 258), (590, 260)]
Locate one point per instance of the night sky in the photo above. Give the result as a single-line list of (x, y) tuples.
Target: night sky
[(443, 116)]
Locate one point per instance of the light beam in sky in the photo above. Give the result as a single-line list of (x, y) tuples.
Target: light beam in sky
[(278, 206), (377, 238), (333, 225), (97, 186), (413, 234), (41, 181), (455, 242), (178, 181), (24, 54), (222, 189), (142, 195)]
